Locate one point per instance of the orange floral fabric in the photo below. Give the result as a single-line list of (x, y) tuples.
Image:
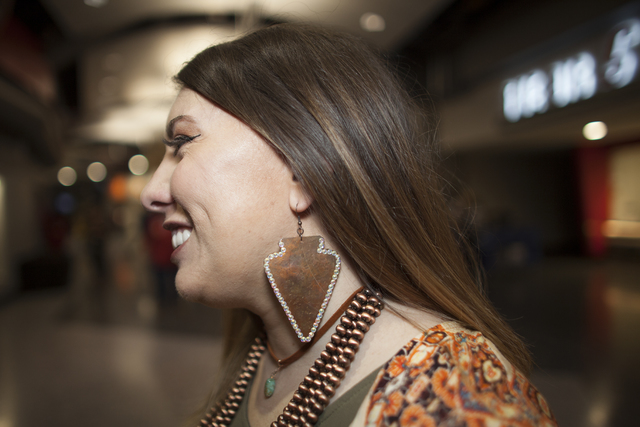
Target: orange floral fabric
[(450, 376)]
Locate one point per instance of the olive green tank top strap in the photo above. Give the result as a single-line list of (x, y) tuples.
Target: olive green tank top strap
[(338, 414)]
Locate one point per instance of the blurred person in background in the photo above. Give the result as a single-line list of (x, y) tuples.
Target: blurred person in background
[(158, 243), (299, 184)]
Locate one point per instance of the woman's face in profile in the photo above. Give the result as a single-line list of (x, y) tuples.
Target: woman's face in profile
[(225, 196)]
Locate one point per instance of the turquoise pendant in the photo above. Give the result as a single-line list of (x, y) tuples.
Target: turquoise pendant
[(269, 387)]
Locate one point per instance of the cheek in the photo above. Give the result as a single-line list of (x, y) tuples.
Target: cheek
[(190, 189), (248, 182)]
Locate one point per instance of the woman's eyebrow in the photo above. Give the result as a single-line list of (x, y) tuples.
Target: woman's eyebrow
[(172, 123)]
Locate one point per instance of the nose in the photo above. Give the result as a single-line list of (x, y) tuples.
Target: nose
[(156, 195)]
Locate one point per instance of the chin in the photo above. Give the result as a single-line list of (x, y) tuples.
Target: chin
[(184, 294), (189, 291), (215, 290), (196, 292)]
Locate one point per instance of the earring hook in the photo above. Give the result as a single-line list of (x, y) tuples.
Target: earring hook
[(300, 229)]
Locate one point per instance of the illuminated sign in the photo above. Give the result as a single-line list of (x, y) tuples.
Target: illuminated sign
[(575, 78)]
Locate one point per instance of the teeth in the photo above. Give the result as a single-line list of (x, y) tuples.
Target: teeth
[(178, 237)]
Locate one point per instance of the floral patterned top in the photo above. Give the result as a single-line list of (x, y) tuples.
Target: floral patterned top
[(451, 376)]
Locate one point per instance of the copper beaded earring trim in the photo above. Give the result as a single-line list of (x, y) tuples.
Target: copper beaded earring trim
[(319, 386), (303, 275)]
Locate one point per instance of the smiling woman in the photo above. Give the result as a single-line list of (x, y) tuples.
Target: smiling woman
[(299, 184)]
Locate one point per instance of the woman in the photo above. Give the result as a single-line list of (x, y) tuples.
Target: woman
[(293, 151)]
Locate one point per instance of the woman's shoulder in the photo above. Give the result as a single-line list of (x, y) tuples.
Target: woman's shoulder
[(450, 375)]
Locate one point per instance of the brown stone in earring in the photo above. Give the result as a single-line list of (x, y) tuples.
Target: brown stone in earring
[(302, 276)]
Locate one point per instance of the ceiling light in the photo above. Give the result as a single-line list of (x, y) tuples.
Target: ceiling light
[(139, 123), (96, 3), (594, 130), (67, 176), (372, 22), (97, 172), (138, 164)]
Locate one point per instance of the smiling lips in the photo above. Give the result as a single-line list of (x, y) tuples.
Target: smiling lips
[(178, 237)]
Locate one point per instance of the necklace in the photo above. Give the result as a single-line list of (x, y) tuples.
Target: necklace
[(317, 388), (270, 383)]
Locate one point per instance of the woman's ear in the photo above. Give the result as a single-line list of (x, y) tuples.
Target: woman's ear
[(299, 200)]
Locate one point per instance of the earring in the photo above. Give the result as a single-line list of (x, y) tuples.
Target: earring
[(302, 276)]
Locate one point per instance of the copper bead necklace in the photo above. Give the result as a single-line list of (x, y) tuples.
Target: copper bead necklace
[(318, 387)]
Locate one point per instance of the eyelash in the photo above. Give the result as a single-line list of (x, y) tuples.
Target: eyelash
[(178, 142)]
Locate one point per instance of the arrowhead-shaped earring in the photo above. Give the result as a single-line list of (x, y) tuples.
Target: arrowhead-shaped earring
[(303, 275)]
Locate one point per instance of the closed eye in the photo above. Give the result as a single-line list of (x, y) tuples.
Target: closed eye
[(178, 141)]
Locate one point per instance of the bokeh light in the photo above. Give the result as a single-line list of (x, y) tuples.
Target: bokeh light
[(97, 172), (595, 130), (65, 203), (118, 189), (67, 176), (138, 164), (135, 185), (96, 3), (372, 22)]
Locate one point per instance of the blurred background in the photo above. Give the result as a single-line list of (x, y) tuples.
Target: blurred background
[(539, 120)]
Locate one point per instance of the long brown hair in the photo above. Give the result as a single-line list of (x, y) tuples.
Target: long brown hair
[(365, 151)]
